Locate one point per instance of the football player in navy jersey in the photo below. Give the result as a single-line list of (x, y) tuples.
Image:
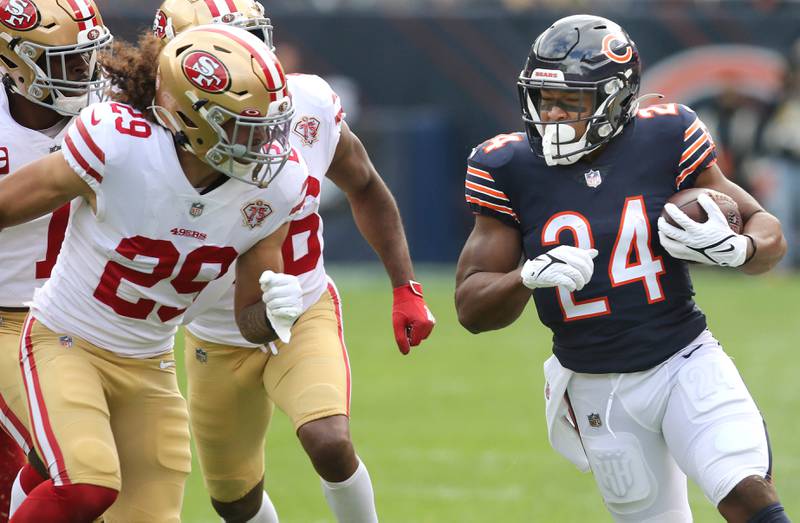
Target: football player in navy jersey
[(638, 390)]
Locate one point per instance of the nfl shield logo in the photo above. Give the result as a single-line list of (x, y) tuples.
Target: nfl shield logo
[(594, 421), (201, 355), (65, 341), (196, 209), (593, 178)]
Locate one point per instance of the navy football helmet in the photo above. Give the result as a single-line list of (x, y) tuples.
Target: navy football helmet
[(583, 54)]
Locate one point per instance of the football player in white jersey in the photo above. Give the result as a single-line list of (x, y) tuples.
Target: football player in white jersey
[(158, 219), (308, 379), (48, 75)]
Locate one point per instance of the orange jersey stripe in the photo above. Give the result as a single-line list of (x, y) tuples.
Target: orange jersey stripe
[(692, 128), (498, 208), (689, 170), (480, 174), (485, 190), (704, 138)]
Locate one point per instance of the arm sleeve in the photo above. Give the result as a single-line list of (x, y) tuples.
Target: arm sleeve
[(698, 151), (485, 196)]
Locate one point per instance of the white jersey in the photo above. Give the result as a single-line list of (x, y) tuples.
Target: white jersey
[(28, 251), (315, 132), (127, 274)]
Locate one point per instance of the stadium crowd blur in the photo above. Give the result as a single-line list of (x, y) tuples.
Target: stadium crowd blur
[(425, 80)]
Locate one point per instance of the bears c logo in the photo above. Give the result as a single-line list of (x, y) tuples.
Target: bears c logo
[(160, 24), (206, 72), (612, 53), (19, 15)]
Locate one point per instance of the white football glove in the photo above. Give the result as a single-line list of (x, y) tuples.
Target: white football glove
[(712, 242), (563, 266), (283, 297)]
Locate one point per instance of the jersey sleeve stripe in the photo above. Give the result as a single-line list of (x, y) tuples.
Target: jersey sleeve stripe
[(89, 141), (499, 208), (689, 170), (692, 128), (485, 190), (80, 159), (703, 139), (479, 173)]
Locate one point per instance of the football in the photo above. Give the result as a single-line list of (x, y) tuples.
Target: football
[(686, 200)]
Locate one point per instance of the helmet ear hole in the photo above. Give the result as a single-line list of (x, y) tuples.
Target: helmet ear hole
[(186, 120), (9, 64), (180, 50)]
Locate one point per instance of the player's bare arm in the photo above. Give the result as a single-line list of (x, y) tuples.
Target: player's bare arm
[(761, 226), (377, 217), (39, 188), (374, 208), (250, 309), (489, 291)]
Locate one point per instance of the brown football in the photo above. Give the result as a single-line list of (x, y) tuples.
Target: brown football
[(686, 200)]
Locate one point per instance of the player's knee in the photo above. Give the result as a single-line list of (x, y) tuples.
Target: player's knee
[(328, 445), (748, 498), (242, 509)]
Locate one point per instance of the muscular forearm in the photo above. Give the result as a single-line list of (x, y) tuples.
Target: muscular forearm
[(378, 219), (489, 300), (770, 245), (253, 324)]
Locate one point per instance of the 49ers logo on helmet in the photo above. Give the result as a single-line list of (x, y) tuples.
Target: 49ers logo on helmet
[(160, 25), (20, 15), (206, 72)]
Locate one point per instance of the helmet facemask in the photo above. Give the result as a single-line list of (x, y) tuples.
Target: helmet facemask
[(256, 148), (51, 85), (250, 147), (603, 118)]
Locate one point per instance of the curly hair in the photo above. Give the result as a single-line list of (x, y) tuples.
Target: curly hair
[(132, 71)]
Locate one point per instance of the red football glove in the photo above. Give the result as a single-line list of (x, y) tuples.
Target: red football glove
[(412, 319)]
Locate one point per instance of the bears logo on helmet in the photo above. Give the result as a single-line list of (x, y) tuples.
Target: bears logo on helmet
[(20, 15), (206, 72), (612, 53), (160, 24)]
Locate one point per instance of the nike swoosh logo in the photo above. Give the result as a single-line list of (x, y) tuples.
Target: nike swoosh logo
[(95, 121), (689, 354), (166, 364), (729, 249)]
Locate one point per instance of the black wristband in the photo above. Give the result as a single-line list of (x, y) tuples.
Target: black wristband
[(755, 249)]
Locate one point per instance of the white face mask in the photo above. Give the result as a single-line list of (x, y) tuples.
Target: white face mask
[(557, 140)]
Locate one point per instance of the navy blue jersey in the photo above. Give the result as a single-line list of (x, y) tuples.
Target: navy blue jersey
[(638, 309)]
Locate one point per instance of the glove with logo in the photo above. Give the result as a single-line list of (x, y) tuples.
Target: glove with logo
[(283, 297), (411, 318), (564, 266), (711, 242)]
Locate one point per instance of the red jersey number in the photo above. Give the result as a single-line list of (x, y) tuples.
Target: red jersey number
[(135, 126), (55, 237), (166, 256)]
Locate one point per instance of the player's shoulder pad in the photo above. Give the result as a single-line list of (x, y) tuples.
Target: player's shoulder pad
[(500, 150), (290, 184), (96, 139), (312, 89), (666, 115)]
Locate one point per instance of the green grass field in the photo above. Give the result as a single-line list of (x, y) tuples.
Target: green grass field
[(455, 432)]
